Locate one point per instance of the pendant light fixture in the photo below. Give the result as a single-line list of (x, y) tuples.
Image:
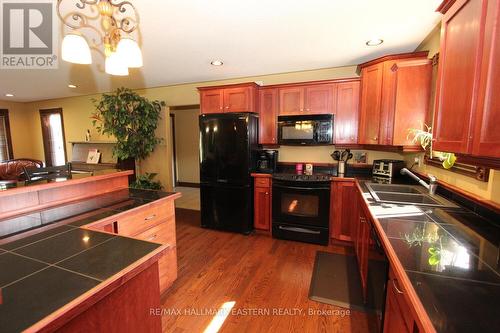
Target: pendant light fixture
[(108, 26)]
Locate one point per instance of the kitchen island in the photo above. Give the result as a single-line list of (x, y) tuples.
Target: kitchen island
[(96, 261)]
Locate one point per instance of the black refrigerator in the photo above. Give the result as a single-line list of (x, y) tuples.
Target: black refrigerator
[(226, 187)]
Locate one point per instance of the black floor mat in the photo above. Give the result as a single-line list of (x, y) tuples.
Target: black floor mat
[(336, 281)]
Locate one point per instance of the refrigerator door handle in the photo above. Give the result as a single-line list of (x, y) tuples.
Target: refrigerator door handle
[(301, 230)]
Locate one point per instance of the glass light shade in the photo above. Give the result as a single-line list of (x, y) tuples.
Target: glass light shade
[(76, 50), (129, 50), (116, 65)]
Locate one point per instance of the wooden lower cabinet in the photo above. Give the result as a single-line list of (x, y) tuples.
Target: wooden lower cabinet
[(154, 222), (262, 203), (398, 318), (342, 210)]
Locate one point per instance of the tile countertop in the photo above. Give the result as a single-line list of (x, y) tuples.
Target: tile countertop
[(45, 271), (452, 259)]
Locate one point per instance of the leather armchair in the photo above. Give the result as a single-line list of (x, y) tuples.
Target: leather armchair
[(14, 169)]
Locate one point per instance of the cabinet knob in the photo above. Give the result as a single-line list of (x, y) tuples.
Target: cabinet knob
[(227, 107), (375, 138), (220, 108), (308, 109), (267, 193), (301, 110)]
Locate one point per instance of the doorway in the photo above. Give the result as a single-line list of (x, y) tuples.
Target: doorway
[(54, 142), (186, 151)]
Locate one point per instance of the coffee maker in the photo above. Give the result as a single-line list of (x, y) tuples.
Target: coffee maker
[(265, 160)]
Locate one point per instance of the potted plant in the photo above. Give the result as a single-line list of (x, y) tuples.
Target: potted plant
[(130, 118), (424, 138)]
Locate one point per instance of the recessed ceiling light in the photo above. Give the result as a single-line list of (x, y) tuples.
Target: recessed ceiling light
[(72, 86), (374, 42), (9, 95), (217, 63)]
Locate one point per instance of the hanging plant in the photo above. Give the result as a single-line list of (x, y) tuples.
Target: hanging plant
[(424, 138), (131, 119)]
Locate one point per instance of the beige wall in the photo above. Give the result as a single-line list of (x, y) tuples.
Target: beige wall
[(21, 125), (77, 111), (187, 145)]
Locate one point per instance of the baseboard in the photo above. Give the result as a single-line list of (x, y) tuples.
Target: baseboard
[(186, 184)]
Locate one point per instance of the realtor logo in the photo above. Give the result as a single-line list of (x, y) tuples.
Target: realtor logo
[(28, 34)]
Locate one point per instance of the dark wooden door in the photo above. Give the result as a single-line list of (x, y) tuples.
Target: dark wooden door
[(262, 208), (371, 93), (238, 99), (212, 101), (319, 99), (486, 137), (291, 101), (54, 142), (347, 112), (6, 152), (458, 78), (268, 99)]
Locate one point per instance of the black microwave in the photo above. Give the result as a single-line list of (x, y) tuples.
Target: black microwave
[(305, 130)]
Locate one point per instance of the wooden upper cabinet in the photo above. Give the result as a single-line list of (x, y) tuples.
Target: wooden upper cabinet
[(291, 101), (268, 109), (318, 99), (230, 98), (239, 99), (371, 93), (346, 112), (409, 102), (486, 135), (458, 76), (395, 93), (211, 101)]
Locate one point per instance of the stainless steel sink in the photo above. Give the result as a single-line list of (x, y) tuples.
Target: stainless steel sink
[(406, 194)]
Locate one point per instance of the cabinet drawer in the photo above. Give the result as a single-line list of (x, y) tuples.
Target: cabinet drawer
[(163, 233), (262, 182), (133, 223)]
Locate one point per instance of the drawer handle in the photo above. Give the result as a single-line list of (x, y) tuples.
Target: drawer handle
[(150, 217), (395, 287), (152, 237)]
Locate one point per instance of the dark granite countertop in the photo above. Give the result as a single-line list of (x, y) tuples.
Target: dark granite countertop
[(452, 259), (42, 272)]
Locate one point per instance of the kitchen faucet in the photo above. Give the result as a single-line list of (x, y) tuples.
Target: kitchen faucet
[(432, 186)]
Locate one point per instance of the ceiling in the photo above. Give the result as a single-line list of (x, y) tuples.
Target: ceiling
[(180, 38)]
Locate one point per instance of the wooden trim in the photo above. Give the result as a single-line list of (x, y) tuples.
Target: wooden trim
[(444, 6), (418, 311), (184, 107), (477, 172), (49, 186), (261, 175), (234, 85), (329, 165), (307, 83), (5, 113), (400, 56), (69, 311), (174, 150), (44, 112), (188, 184)]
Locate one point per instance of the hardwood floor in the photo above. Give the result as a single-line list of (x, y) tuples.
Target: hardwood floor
[(257, 272)]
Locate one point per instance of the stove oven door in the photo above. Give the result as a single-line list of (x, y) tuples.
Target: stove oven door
[(301, 203)]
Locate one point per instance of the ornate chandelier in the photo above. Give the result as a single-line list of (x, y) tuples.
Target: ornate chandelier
[(108, 25)]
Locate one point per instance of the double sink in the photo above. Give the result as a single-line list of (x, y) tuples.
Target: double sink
[(406, 195)]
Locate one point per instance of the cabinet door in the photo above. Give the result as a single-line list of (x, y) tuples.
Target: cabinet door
[(268, 99), (211, 101), (393, 318), (347, 112), (319, 99), (486, 139), (238, 99), (344, 212), (371, 92), (412, 82), (459, 62), (291, 101), (262, 208)]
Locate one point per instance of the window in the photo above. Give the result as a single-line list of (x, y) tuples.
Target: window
[(5, 139), (54, 143)]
